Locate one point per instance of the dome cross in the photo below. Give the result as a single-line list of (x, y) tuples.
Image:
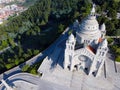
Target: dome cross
[(93, 10)]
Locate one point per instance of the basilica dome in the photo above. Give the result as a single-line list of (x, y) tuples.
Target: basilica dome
[(89, 25), (89, 28)]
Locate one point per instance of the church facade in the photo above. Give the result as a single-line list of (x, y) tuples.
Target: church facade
[(87, 49)]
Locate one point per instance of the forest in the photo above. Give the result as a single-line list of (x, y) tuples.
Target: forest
[(37, 27)]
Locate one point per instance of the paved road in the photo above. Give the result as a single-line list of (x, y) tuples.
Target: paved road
[(35, 59), (25, 81)]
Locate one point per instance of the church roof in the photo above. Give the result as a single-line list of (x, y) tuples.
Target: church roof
[(91, 49), (100, 40)]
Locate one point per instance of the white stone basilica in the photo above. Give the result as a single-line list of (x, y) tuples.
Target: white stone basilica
[(87, 49)]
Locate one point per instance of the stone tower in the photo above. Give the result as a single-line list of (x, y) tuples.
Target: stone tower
[(69, 52), (103, 30), (99, 58)]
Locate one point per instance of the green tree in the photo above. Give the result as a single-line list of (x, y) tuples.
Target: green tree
[(76, 14), (110, 40), (118, 32), (25, 68), (37, 29), (20, 51), (33, 71), (110, 27), (43, 22), (60, 28), (11, 42), (17, 61), (118, 51), (98, 9), (117, 58), (35, 52), (9, 65), (112, 13), (29, 52), (25, 56)]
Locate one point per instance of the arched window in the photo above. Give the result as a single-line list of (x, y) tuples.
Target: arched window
[(69, 47), (103, 53), (72, 43), (99, 53)]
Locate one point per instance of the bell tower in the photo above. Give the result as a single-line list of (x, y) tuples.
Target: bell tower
[(69, 52)]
